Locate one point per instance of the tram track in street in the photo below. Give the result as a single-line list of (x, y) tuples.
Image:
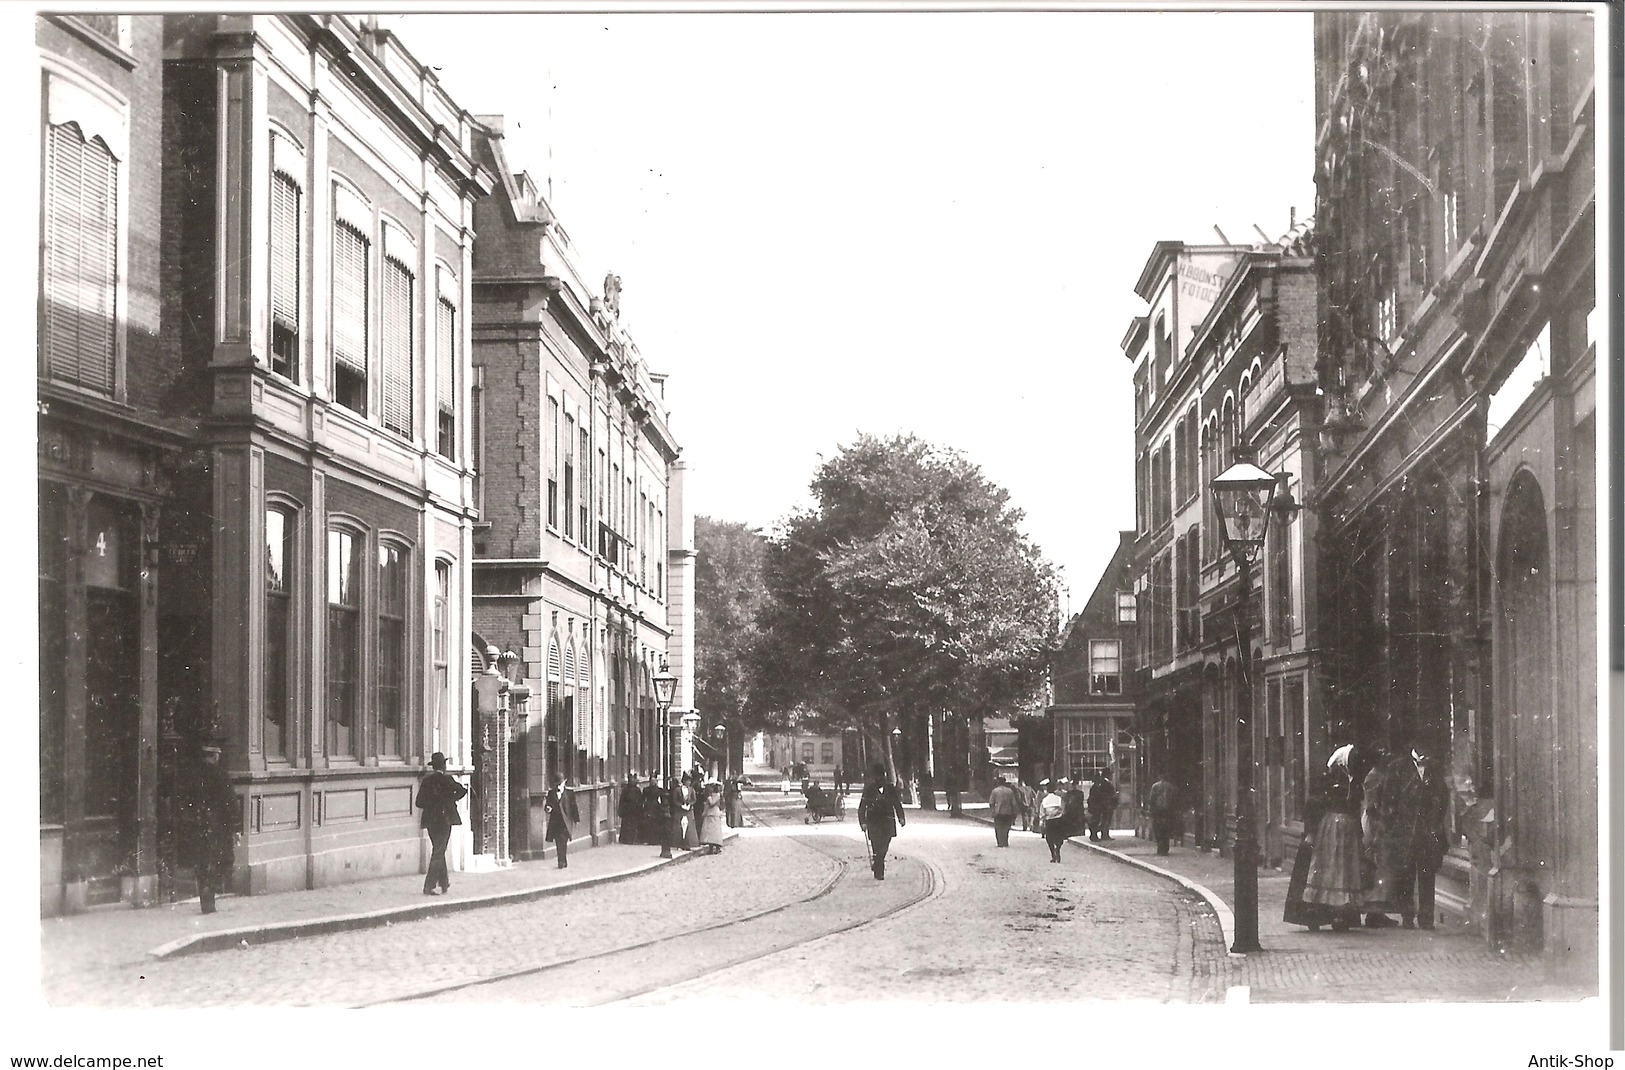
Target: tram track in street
[(714, 947)]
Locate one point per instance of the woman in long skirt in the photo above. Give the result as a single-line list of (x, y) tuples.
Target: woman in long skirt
[(1334, 882), (734, 800), (711, 826)]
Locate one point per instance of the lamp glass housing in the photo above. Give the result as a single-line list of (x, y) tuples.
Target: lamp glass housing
[(1242, 495), (665, 687)]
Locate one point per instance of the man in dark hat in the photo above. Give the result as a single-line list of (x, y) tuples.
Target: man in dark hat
[(437, 798), (1407, 811), (630, 810), (880, 815), (213, 824), (1102, 803)]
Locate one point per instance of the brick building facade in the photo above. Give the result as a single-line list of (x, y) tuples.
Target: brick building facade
[(581, 558), (1224, 358), (257, 490)]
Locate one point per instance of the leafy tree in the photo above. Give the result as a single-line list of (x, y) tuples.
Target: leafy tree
[(728, 593), (906, 591)]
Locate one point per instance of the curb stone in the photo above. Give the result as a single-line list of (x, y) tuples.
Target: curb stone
[(222, 939)]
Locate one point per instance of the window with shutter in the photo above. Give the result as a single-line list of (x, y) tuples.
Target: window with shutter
[(445, 356), (81, 259), (350, 318), (584, 710), (284, 276), (397, 348)]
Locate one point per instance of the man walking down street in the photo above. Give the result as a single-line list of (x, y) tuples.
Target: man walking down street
[(1052, 818), (880, 815), (1162, 801), (562, 818), (437, 798), (1003, 804)]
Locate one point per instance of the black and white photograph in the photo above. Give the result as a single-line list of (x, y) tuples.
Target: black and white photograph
[(806, 533)]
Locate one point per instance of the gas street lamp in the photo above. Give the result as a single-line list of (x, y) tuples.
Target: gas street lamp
[(1241, 496), (665, 692), (720, 734)]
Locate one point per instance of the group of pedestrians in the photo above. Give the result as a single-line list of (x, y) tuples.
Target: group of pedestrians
[(1062, 809), (688, 813), (1375, 833)]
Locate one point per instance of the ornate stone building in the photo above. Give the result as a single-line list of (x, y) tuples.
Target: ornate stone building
[(1456, 255), (255, 476), (582, 556)]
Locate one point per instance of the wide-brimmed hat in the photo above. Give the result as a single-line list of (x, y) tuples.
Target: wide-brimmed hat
[(437, 760)]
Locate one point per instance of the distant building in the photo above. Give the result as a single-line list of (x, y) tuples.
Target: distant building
[(1456, 184), (1095, 693), (1225, 364), (582, 553)]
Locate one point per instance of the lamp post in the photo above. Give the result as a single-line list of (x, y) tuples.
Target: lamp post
[(720, 734), (665, 690), (1241, 496)]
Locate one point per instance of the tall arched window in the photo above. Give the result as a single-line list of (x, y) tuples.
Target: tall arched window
[(344, 584), (392, 690), (281, 526)]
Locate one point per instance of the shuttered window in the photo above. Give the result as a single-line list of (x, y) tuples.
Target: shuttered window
[(81, 259), (350, 318), (445, 357), (284, 276), (397, 347), (584, 710)]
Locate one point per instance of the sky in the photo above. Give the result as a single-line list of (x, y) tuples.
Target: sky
[(829, 224)]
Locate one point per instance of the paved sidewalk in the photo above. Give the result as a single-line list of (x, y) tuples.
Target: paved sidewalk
[(118, 936), (1359, 966)]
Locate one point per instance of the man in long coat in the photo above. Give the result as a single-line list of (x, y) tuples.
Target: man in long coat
[(211, 825), (562, 818), (1407, 810), (880, 815), (630, 810), (1163, 799), (437, 798), (1102, 803)]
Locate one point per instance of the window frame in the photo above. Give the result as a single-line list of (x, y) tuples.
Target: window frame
[(98, 114), (387, 740), (1105, 683), (350, 382), (397, 346), (445, 361), (355, 611), (287, 597)]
